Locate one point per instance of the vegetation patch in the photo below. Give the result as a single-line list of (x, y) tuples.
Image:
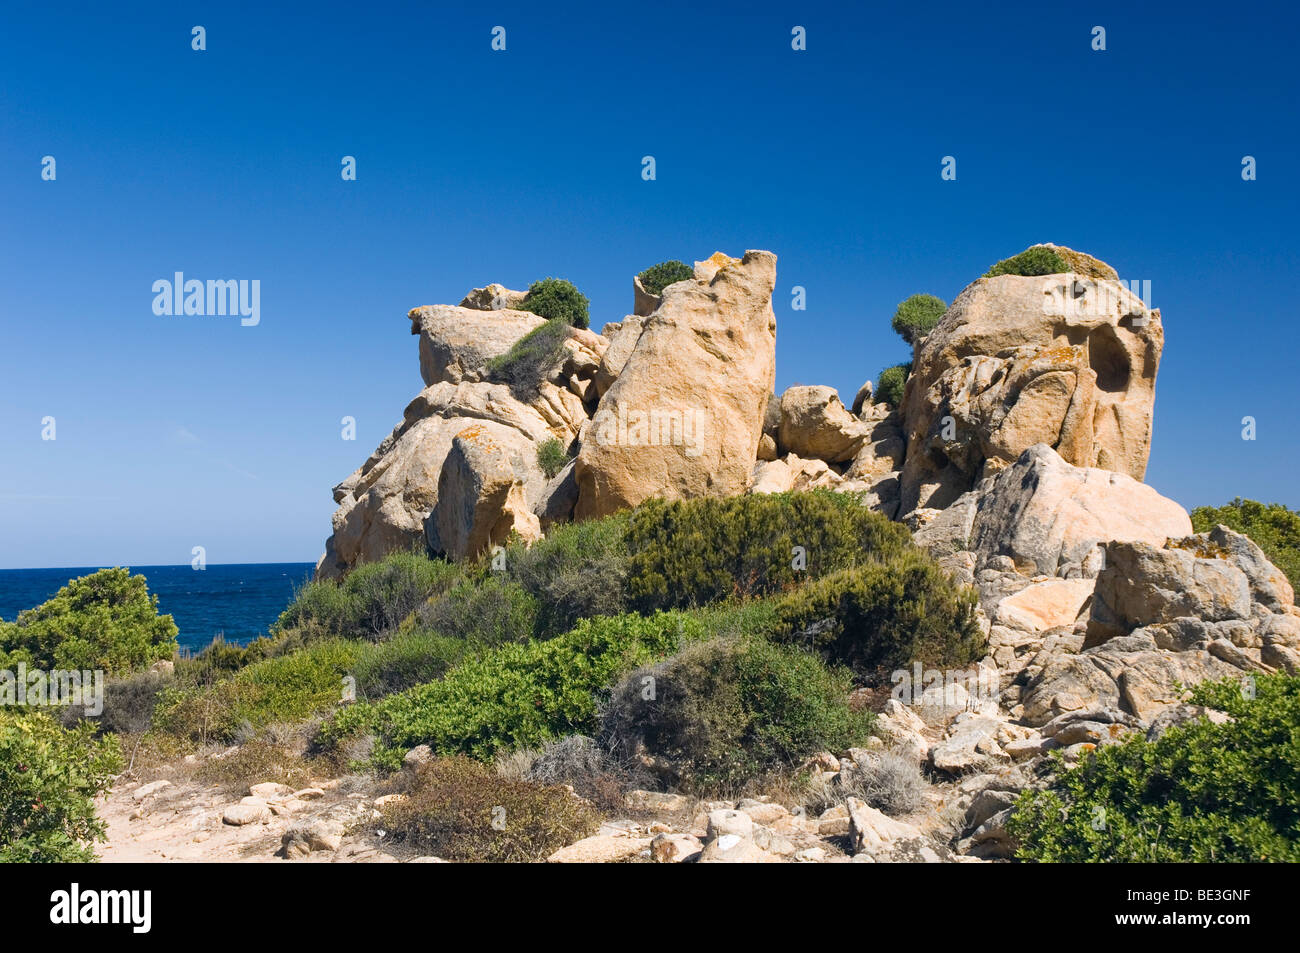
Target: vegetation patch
[(1038, 260), (723, 712), (694, 552), (1271, 526), (49, 779), (891, 384), (462, 811), (106, 620), (1200, 793), (658, 277), (558, 300)]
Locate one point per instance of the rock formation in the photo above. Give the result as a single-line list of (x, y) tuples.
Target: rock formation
[(684, 415), (1066, 360)]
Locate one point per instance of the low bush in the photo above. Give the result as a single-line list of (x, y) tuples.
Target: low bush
[(535, 357), (1274, 529), (406, 660), (693, 552), (463, 811), (658, 277), (891, 782), (1039, 260), (1200, 793), (578, 571), (891, 385), (256, 762), (106, 620), (485, 610), (557, 300), (372, 601), (49, 779), (578, 761), (516, 696), (551, 457), (917, 316), (723, 712), (289, 688), (886, 615), (128, 704)]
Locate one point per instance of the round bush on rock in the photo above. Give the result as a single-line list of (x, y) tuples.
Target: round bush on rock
[(555, 298), (890, 385), (1039, 260), (917, 316), (551, 457), (658, 277)]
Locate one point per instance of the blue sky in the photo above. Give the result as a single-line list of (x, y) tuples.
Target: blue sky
[(476, 166)]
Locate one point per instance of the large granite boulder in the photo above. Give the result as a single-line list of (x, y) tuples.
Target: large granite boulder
[(1051, 518), (487, 488), (384, 504), (684, 416), (814, 423), (457, 342), (1069, 360)]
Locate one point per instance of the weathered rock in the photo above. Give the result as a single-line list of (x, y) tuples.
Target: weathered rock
[(146, 791), (558, 498), (622, 342), (1044, 605), (815, 424), (241, 814), (486, 489), (1181, 714), (303, 838), (643, 302), (862, 399), (674, 848), (1066, 360), (269, 790), (684, 416), (494, 297), (457, 343), (971, 745), (600, 849), (730, 840), (384, 505), (873, 833), (1050, 517), (1206, 581)]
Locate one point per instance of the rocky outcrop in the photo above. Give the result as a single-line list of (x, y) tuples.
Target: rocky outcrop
[(1051, 518), (815, 424), (1067, 360), (684, 416), (489, 483), (457, 342)]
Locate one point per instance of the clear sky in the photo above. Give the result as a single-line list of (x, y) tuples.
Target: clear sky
[(476, 166)]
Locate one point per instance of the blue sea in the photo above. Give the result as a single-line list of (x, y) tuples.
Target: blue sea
[(237, 601)]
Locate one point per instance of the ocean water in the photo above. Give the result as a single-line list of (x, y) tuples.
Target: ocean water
[(237, 601)]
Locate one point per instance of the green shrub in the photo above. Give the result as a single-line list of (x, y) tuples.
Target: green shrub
[(890, 385), (106, 620), (1273, 528), (462, 811), (1201, 792), (917, 316), (725, 711), (515, 696), (486, 610), (288, 688), (371, 601), (535, 357), (406, 660), (1039, 260), (693, 552), (578, 571), (886, 615), (658, 277), (128, 704), (551, 457), (49, 779), (557, 299)]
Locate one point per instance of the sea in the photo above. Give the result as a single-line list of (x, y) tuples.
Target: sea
[(236, 601)]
